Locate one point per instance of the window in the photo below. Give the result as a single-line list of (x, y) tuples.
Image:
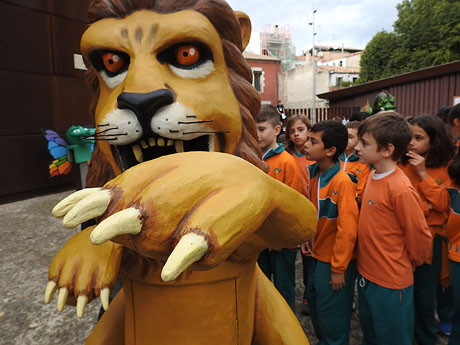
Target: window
[(258, 79), (257, 75), (339, 81)]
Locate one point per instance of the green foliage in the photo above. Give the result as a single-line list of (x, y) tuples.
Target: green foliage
[(344, 83), (426, 33)]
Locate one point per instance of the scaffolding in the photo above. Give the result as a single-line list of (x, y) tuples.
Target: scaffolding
[(277, 42)]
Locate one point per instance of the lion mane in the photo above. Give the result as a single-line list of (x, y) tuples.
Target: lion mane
[(103, 167)]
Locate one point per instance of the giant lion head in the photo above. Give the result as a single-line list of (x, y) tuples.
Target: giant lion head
[(169, 76)]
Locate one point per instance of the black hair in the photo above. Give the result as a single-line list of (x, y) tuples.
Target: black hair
[(334, 134), (359, 116), (454, 170), (454, 113), (442, 147), (443, 114)]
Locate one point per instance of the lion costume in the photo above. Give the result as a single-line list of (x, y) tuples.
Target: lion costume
[(182, 228)]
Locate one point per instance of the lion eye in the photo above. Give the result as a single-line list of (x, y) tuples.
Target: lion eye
[(113, 62), (187, 55), (188, 59)]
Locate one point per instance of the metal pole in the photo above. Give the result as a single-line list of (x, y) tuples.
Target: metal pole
[(313, 100)]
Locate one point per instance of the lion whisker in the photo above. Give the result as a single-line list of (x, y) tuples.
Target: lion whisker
[(204, 132), (191, 122), (105, 130)]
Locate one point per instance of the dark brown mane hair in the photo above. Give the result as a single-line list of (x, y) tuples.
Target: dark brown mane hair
[(227, 25)]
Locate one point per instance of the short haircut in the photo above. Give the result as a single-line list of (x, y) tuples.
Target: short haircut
[(334, 134), (443, 114), (269, 114), (388, 127), (359, 116), (352, 124), (454, 113)]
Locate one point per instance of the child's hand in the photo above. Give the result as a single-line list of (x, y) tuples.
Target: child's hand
[(418, 162), (337, 280), (305, 248)]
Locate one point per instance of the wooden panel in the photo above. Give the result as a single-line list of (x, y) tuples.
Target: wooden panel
[(26, 103), (72, 9), (70, 103), (66, 35), (40, 5), (24, 40), (26, 165)]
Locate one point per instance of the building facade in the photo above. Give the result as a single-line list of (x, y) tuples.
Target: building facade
[(265, 74)]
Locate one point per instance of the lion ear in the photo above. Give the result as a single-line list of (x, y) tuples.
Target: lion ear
[(245, 27)]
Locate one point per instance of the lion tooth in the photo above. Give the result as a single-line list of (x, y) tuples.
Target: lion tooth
[(170, 142), (152, 142), (179, 146), (144, 144), (161, 142), (138, 153)]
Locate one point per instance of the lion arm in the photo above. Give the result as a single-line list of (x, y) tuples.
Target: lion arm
[(275, 323), (292, 220), (84, 271)]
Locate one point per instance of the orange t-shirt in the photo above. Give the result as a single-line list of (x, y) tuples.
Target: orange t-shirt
[(352, 165), (453, 225), (433, 193), (303, 164), (393, 236), (283, 168)]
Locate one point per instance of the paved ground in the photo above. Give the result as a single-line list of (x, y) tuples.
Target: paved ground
[(30, 237)]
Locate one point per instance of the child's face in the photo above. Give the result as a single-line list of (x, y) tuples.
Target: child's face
[(352, 139), (266, 134), (420, 142), (314, 147), (298, 134), (367, 150)]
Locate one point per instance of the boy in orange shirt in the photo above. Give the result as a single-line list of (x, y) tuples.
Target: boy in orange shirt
[(332, 272), (350, 163), (283, 167), (393, 236)]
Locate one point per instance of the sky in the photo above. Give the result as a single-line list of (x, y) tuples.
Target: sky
[(352, 23)]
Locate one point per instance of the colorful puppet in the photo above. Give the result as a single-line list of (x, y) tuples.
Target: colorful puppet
[(384, 101), (57, 147), (366, 108), (182, 228), (77, 149)]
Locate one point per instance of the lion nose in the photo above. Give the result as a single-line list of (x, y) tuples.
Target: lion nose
[(145, 105)]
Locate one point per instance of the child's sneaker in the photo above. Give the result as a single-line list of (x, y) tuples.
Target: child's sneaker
[(444, 328), (305, 308)]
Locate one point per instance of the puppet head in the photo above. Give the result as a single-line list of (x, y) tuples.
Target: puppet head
[(383, 102), (169, 76)]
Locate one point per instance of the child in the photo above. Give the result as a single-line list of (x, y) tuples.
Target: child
[(454, 121), (297, 128), (453, 234), (332, 272), (393, 236), (425, 164), (283, 167), (350, 163)]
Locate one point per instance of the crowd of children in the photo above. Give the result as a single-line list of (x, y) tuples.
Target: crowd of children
[(387, 192)]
